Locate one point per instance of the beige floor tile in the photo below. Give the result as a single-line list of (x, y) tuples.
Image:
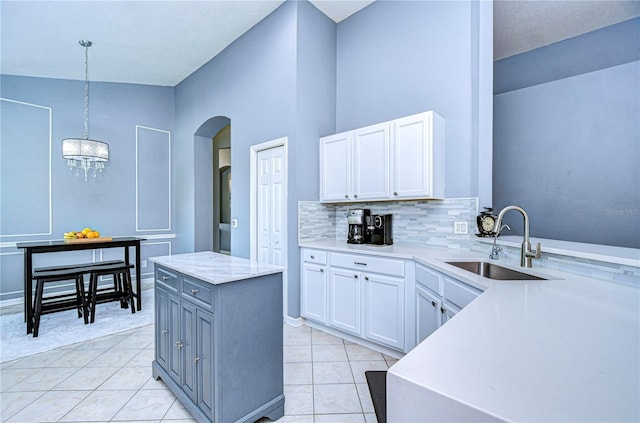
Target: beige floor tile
[(297, 353), (339, 418), (144, 358), (329, 352), (50, 407), (76, 358), (44, 380), (103, 343), (38, 361), (365, 397), (114, 358), (12, 402), (152, 383), (136, 341), (99, 405), (11, 377), (86, 379), (358, 352), (146, 405), (336, 399), (322, 338), (298, 400), (300, 335), (297, 374), (293, 419), (177, 412), (332, 372), (359, 367), (127, 378)]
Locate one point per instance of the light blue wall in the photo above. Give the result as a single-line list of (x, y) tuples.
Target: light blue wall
[(396, 58), (568, 150), (121, 114)]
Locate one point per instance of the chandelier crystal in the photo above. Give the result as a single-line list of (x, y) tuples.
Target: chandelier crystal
[(84, 153)]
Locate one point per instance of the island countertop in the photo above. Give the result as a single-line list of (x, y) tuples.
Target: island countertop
[(216, 268)]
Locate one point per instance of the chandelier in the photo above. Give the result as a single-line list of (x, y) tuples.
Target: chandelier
[(84, 153)]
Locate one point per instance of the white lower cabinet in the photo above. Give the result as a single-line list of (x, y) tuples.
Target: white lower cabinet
[(313, 285), (344, 300), (384, 310), (428, 314)]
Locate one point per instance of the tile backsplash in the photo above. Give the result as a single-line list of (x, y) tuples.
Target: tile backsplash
[(424, 222)]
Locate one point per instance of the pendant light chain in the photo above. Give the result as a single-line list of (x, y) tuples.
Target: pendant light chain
[(86, 45)]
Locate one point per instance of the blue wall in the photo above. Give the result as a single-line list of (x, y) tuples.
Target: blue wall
[(396, 58), (567, 149), (41, 199)]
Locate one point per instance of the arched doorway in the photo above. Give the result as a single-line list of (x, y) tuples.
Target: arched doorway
[(212, 176)]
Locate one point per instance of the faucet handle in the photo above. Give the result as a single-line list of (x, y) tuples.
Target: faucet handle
[(534, 254)]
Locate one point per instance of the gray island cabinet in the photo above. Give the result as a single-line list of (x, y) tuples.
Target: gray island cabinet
[(218, 335)]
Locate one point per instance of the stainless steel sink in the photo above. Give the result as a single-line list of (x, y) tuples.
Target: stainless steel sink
[(493, 271)]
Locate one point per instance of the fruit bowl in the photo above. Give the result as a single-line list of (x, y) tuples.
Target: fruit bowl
[(85, 235)]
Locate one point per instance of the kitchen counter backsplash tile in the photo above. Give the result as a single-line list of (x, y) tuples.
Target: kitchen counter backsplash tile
[(414, 222)]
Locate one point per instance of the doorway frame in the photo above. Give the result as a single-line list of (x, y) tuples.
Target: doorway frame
[(253, 210)]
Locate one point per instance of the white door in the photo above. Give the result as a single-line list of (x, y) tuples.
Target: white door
[(371, 162), (270, 206)]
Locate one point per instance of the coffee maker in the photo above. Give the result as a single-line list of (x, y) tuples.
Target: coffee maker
[(357, 219), (379, 229)]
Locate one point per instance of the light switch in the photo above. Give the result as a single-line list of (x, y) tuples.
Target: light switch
[(234, 223)]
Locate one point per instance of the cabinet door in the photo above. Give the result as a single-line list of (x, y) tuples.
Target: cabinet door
[(412, 151), (371, 163), (428, 314), (188, 349), (204, 362), (447, 312), (162, 326), (174, 340), (335, 167), (384, 310), (344, 300), (313, 292)]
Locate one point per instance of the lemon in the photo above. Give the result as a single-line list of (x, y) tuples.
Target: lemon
[(86, 231)]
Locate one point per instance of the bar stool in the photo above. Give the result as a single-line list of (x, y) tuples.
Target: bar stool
[(121, 291), (50, 304)]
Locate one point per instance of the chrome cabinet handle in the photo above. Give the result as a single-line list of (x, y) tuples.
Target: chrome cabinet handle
[(164, 332), (166, 278), (179, 345), (194, 291), (196, 359)]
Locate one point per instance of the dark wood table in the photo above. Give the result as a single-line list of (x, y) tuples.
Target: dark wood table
[(38, 247)]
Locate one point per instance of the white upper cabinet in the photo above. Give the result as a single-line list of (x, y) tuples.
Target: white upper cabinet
[(418, 156), (399, 159), (335, 167), (371, 162)]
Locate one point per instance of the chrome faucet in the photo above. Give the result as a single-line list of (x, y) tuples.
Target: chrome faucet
[(526, 254), (495, 250)]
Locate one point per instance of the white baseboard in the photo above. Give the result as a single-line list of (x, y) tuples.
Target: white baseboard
[(294, 321)]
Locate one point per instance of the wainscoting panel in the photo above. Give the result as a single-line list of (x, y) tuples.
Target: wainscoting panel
[(153, 179)]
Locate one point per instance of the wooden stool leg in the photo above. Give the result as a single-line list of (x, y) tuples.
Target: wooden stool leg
[(82, 303), (37, 306), (129, 289), (93, 287)]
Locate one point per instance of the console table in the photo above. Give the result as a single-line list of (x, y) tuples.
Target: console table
[(38, 247)]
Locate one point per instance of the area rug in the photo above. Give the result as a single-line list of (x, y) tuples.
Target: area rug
[(377, 381), (65, 328)]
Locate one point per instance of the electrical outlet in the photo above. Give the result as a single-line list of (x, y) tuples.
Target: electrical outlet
[(144, 263), (461, 228), (234, 223)]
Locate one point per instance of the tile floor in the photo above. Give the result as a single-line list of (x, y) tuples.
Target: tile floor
[(109, 379)]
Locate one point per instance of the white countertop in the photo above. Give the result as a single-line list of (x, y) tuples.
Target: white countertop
[(565, 349), (216, 268)]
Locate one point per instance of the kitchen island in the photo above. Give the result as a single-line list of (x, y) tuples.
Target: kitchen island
[(218, 330)]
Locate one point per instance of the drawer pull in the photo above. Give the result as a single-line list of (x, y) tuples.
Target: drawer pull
[(196, 359), (313, 257), (164, 332), (166, 278), (179, 345), (359, 263), (194, 291)]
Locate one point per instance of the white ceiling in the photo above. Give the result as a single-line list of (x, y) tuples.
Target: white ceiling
[(162, 42)]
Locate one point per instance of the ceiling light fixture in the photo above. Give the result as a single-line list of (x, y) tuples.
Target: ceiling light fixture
[(85, 153)]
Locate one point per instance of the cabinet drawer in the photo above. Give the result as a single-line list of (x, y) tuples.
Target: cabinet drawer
[(429, 279), (314, 256), (369, 264), (196, 290), (167, 278), (458, 293)]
